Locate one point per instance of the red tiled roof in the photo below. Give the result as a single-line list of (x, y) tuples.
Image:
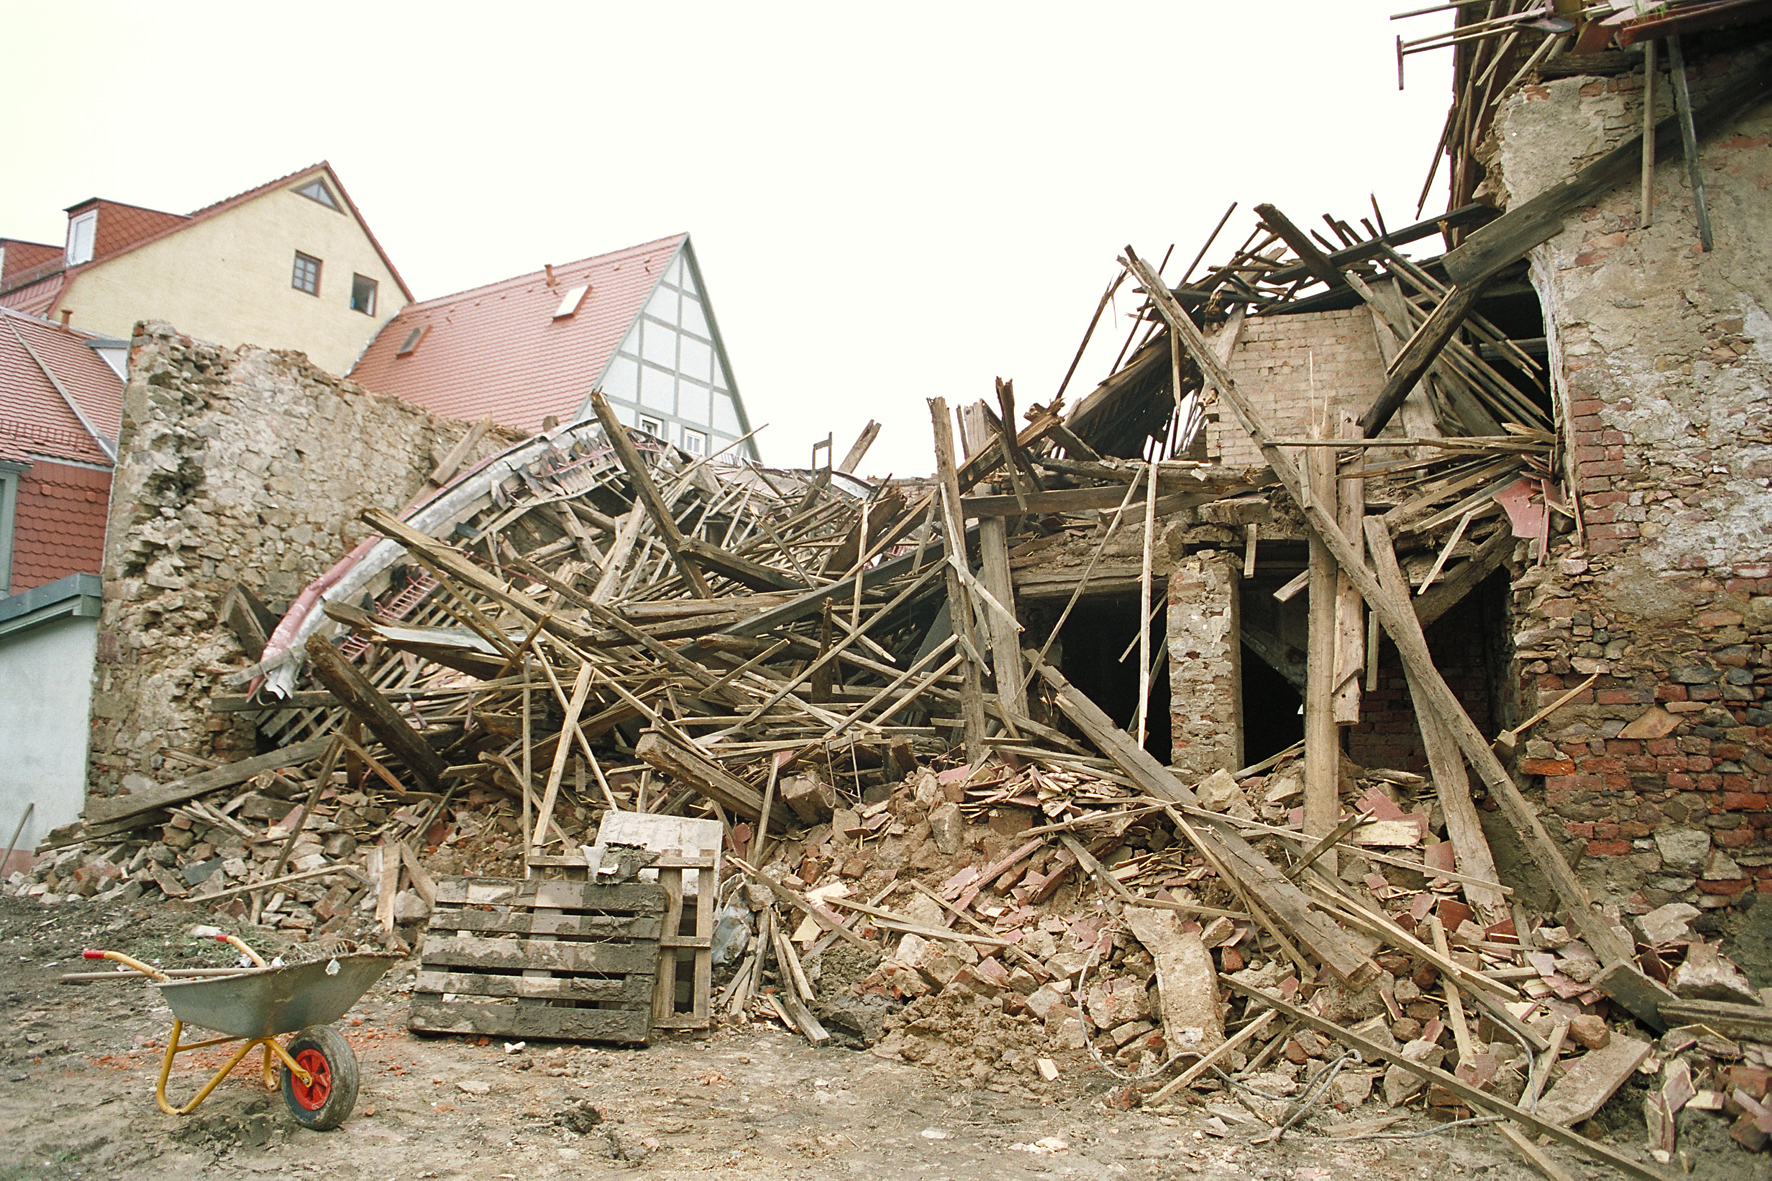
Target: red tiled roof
[(121, 226), (22, 256), (59, 523), (498, 349), (35, 299), (35, 417)]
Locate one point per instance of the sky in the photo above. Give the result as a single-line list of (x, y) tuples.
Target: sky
[(889, 203)]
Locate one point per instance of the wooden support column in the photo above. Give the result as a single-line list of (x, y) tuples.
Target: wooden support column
[(953, 527), (1006, 666), (1350, 626), (1322, 738)]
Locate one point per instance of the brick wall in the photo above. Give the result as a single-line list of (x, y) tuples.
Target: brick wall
[(1658, 776), (1465, 644), (1288, 366), (234, 465)]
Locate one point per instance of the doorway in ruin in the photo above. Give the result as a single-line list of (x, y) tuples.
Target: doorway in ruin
[(1274, 635), (1099, 655)]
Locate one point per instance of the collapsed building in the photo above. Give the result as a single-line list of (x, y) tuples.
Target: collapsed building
[(1463, 555)]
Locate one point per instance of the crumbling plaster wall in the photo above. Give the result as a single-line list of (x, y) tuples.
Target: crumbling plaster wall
[(1662, 370), (234, 465)]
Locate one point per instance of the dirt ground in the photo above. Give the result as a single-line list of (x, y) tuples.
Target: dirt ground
[(77, 1068)]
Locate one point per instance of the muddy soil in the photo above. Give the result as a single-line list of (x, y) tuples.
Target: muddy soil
[(77, 1069)]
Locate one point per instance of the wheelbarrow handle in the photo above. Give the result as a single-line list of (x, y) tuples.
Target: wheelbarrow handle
[(126, 961)]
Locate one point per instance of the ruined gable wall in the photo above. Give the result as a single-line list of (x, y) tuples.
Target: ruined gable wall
[(1662, 370), (1288, 366), (234, 465)]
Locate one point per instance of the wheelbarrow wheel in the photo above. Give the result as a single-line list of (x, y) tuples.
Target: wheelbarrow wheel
[(324, 1053)]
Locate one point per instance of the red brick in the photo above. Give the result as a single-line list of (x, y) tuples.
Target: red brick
[(1734, 838), (1547, 766), (1579, 828), (1625, 696), (1668, 691), (1634, 829), (1611, 849), (1729, 888)]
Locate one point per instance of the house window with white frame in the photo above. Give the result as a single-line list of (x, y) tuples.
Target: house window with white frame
[(82, 233), (9, 474), (695, 442)]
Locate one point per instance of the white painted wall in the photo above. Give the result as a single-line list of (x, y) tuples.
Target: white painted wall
[(46, 685)]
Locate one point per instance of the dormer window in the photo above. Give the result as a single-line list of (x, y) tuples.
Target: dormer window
[(316, 190), (82, 231)]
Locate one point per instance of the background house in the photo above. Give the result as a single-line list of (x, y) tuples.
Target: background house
[(289, 264), (635, 323), (60, 404)]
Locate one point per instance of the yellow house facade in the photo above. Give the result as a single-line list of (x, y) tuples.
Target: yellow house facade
[(288, 265)]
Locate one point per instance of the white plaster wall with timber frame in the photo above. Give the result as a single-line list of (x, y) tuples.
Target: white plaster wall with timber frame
[(671, 369)]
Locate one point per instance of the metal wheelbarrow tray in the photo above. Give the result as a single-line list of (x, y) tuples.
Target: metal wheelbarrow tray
[(258, 1005)]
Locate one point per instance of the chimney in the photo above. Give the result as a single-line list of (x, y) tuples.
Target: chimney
[(549, 268), (67, 315)]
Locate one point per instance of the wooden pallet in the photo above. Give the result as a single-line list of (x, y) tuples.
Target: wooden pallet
[(542, 959), (686, 943)]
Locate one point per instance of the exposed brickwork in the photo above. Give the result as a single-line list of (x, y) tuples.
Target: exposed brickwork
[(235, 465), (1288, 366), (1464, 650), (1205, 664), (1659, 775)]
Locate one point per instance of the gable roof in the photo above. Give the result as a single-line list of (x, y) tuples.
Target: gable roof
[(136, 226), (58, 397), (499, 350), (20, 256)]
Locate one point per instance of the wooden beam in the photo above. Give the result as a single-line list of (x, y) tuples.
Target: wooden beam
[(959, 600), (1507, 239), (366, 704), (647, 493), (1398, 617), (1372, 1051), (1006, 669), (859, 448), (1322, 737), (691, 769), (1257, 876), (1463, 827), (1420, 353), (1310, 255), (111, 809)]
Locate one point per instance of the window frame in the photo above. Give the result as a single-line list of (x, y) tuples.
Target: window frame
[(9, 477), (701, 438), (652, 426), (75, 224), (295, 274), (374, 292), (328, 201)]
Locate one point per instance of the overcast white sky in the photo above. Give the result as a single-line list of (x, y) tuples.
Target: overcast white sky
[(889, 202)]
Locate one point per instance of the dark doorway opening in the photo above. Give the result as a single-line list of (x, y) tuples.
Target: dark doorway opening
[(1098, 630), (1272, 717)]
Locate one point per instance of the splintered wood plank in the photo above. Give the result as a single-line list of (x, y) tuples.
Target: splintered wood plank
[(472, 951), (527, 1019), (1592, 1079), (625, 989), (640, 897), (114, 808), (552, 923)]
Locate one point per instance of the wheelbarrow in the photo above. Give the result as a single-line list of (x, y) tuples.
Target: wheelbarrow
[(257, 1005)]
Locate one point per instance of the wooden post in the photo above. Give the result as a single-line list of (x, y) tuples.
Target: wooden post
[(1350, 630), (959, 602), (1322, 738), (993, 550), (1144, 605)]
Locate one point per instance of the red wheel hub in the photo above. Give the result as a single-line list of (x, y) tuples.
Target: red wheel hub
[(312, 1095)]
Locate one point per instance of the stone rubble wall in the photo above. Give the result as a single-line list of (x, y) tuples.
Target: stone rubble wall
[(235, 465), (1659, 776)]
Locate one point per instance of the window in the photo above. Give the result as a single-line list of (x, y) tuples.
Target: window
[(412, 339), (307, 274), (81, 233), (9, 474), (695, 442), (650, 425), (316, 190), (569, 302), (362, 294)]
